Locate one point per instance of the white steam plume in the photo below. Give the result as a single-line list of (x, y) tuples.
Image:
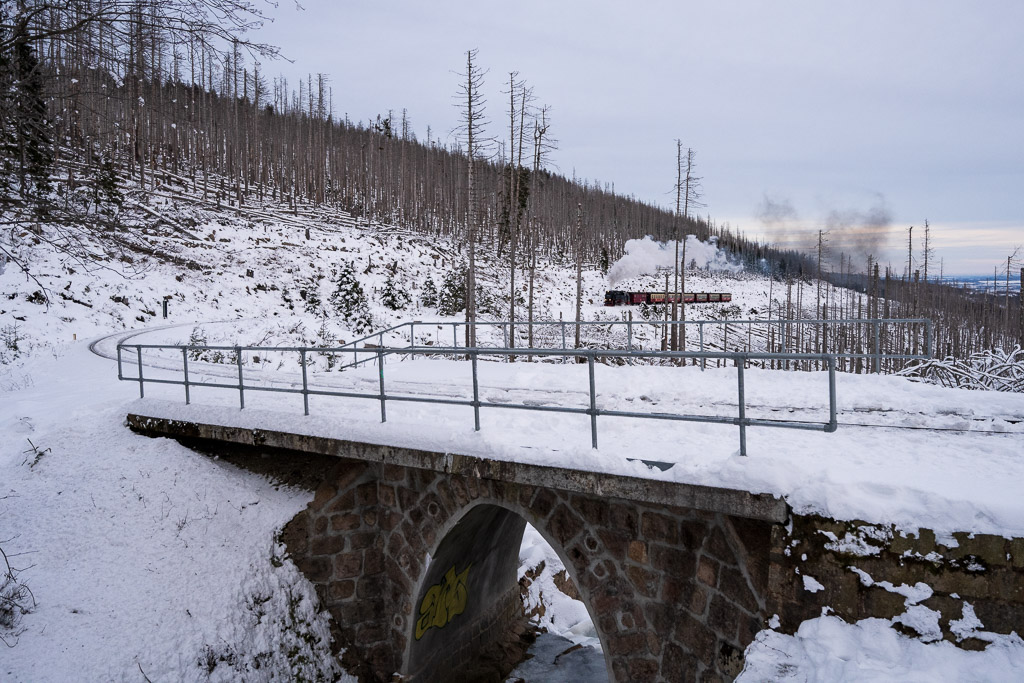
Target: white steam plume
[(644, 257)]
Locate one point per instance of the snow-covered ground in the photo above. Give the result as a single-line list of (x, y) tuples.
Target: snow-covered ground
[(829, 649), (147, 560), (144, 559), (124, 541)]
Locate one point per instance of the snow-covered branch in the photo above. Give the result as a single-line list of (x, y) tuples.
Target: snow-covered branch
[(994, 370)]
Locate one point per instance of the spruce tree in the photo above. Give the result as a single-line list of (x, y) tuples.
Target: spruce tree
[(106, 192), (452, 297), (309, 290), (394, 296), (8, 140), (428, 296), (349, 299), (31, 124)]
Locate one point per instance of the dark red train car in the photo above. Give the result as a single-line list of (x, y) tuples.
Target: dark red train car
[(616, 297)]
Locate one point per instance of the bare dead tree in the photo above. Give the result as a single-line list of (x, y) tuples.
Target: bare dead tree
[(519, 100), (579, 270), (675, 283), (690, 192), (472, 105), (542, 147), (927, 251)]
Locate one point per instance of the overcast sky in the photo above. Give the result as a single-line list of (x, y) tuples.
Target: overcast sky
[(804, 115)]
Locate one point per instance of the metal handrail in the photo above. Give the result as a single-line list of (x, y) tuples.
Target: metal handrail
[(787, 329), (588, 355)]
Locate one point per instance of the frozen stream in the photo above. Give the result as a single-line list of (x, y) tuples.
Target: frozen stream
[(558, 660)]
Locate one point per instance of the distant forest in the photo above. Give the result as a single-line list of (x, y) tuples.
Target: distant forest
[(94, 92)]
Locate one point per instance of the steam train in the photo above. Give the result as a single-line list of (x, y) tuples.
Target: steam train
[(619, 298)]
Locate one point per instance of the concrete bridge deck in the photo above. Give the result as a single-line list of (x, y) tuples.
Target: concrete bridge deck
[(707, 498)]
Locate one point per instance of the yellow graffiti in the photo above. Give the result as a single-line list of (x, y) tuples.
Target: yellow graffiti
[(443, 602)]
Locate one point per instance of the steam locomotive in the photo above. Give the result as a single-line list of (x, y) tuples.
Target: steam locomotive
[(619, 298)]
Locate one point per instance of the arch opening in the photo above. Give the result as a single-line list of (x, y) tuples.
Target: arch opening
[(489, 586), (569, 647)]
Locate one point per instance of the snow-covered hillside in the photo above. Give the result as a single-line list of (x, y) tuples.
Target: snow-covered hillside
[(283, 276), (148, 561)]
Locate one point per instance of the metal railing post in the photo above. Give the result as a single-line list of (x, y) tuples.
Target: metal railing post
[(412, 338), (120, 375), (305, 384), (833, 423), (703, 361), (740, 363), (629, 334), (455, 336), (562, 322), (184, 364), (593, 400), (241, 386), (142, 390), (476, 394), (787, 329), (380, 372)]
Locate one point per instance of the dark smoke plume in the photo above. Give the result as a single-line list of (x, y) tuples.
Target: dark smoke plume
[(859, 233), (851, 233), (776, 211)]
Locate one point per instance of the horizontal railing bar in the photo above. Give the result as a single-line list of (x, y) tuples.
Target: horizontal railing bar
[(484, 350), (427, 399), (760, 321), (280, 390), (203, 347), (812, 426), (518, 351), (341, 394), (602, 353), (714, 419), (147, 380), (539, 409)]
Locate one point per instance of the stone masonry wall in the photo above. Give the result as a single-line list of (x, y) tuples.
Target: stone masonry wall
[(677, 594), (336, 543), (868, 570)]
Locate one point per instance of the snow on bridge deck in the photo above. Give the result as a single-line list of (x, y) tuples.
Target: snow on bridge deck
[(906, 453)]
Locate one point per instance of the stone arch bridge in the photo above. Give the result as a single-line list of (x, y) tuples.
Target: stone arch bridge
[(415, 554)]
